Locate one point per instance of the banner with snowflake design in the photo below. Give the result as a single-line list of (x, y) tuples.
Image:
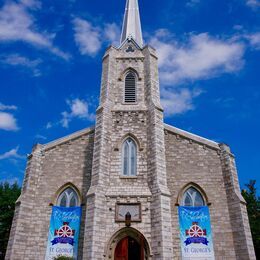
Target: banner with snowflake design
[(195, 233), (63, 232)]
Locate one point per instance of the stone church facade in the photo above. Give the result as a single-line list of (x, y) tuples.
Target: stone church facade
[(130, 158)]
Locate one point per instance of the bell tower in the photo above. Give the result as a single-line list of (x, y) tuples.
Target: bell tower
[(129, 109)]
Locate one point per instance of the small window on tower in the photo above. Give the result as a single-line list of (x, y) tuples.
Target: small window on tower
[(130, 88), (129, 158)]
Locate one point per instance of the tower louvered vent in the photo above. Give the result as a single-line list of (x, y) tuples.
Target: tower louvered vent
[(130, 88)]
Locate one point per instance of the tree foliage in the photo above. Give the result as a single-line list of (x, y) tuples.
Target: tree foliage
[(253, 209), (63, 258), (8, 196)]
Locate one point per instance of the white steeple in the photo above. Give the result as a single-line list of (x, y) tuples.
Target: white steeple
[(132, 24)]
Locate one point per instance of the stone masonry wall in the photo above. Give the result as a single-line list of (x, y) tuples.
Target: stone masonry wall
[(192, 162), (142, 121), (49, 168), (161, 202), (237, 207), (18, 240)]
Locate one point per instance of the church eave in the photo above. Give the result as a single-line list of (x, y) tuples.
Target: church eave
[(68, 138), (193, 137)]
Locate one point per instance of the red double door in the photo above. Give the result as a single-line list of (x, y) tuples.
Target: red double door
[(129, 249)]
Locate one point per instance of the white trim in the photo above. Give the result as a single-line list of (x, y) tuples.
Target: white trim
[(129, 158), (192, 196), (192, 136), (68, 137), (130, 40), (68, 197)]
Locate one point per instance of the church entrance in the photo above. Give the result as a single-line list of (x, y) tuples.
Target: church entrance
[(129, 249), (128, 244)]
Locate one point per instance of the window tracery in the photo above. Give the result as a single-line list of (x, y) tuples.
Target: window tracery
[(68, 198), (129, 157), (192, 198)]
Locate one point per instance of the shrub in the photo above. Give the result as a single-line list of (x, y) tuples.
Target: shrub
[(60, 257)]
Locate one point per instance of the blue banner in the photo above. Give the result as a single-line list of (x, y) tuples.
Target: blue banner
[(195, 233), (63, 232)]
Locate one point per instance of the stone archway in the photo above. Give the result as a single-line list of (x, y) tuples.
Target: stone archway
[(129, 249), (128, 244)]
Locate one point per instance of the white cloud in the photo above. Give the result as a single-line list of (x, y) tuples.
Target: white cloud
[(7, 122), (38, 136), (21, 61), (254, 40), (112, 33), (13, 153), (201, 57), (78, 109), (90, 38), (87, 37), (17, 24), (7, 107), (66, 118), (238, 27), (49, 125), (34, 4), (179, 101), (253, 3), (192, 3)]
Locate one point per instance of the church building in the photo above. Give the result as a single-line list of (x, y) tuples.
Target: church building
[(135, 179)]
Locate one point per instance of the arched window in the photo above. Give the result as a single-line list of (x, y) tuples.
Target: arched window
[(68, 198), (129, 157), (192, 198), (130, 87)]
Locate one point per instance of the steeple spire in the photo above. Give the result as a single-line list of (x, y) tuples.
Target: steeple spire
[(132, 24)]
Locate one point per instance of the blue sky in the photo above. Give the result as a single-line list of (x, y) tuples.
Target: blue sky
[(50, 69)]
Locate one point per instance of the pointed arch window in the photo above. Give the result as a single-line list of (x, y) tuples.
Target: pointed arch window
[(129, 157), (192, 198), (130, 87), (68, 198)]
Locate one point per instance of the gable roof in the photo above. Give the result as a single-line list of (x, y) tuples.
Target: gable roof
[(192, 137)]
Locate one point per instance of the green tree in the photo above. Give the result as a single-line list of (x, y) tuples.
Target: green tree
[(63, 258), (253, 209), (8, 196)]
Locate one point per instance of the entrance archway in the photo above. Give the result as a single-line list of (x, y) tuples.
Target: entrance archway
[(129, 249), (128, 244)]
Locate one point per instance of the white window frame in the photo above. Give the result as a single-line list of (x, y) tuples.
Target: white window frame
[(69, 194), (192, 196), (129, 164)]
